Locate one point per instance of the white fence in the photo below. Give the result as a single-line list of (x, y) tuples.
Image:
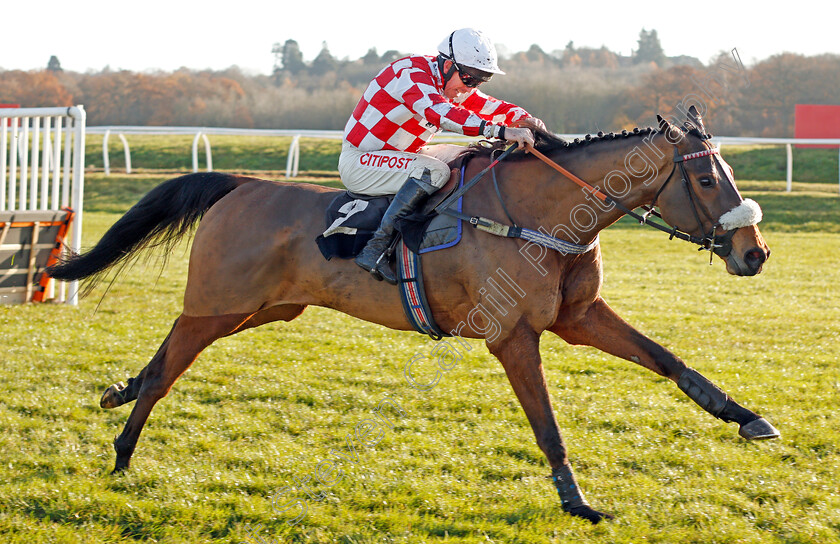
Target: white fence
[(42, 154), (292, 159), (202, 133), (788, 143), (294, 148)]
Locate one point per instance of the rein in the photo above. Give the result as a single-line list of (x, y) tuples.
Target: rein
[(709, 242)]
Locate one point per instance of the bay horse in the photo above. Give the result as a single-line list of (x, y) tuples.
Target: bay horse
[(254, 260)]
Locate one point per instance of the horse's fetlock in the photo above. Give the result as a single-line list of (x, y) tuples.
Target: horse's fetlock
[(123, 448), (735, 412), (571, 496)]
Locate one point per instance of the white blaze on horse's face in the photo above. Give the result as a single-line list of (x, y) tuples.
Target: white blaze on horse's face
[(724, 171)]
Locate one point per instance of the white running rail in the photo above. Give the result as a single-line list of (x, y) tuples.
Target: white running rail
[(293, 156)]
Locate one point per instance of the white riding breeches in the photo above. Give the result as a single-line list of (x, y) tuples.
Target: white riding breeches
[(384, 172)]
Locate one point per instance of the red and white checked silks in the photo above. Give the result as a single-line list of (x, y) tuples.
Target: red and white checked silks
[(404, 106)]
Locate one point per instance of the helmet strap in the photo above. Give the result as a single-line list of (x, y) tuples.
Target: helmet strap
[(447, 75), (442, 60)]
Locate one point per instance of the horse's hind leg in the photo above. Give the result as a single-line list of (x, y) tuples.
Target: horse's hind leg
[(189, 336), (120, 393), (602, 328)]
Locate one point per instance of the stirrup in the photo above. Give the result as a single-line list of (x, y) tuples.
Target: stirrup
[(374, 271), (384, 260)]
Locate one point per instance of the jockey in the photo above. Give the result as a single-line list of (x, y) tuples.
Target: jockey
[(402, 108)]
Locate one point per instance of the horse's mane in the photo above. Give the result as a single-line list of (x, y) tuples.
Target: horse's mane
[(547, 142)]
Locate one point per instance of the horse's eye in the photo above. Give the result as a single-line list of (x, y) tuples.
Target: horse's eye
[(706, 182)]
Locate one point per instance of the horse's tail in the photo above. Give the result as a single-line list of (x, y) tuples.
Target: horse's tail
[(162, 217)]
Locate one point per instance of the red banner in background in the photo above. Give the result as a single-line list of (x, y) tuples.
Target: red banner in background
[(8, 123), (813, 121)]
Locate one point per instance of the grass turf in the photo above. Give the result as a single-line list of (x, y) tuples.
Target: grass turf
[(264, 407)]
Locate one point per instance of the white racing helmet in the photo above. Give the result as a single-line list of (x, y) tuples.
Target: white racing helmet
[(470, 48)]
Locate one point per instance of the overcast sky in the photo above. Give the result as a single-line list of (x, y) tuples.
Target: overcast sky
[(166, 35)]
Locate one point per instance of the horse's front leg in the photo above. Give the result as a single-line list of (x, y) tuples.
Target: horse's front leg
[(519, 354), (602, 328)]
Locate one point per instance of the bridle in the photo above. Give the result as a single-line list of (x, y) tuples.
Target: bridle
[(720, 245), (716, 244)]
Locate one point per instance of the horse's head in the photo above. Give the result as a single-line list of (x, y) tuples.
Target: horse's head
[(700, 198)]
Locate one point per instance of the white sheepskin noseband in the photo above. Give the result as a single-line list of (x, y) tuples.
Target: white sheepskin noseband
[(745, 214)]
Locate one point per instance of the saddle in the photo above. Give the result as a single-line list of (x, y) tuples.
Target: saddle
[(351, 219)]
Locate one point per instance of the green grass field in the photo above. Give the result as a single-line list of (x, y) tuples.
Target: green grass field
[(264, 407)]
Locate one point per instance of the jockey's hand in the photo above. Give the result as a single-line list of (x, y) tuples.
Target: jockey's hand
[(536, 122), (523, 136), (530, 122)]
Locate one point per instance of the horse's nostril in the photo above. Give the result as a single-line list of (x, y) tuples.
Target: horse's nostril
[(755, 258)]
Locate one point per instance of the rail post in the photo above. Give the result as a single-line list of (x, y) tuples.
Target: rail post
[(293, 158), (789, 167), (207, 153)]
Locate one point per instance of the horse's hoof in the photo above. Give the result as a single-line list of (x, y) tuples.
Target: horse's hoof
[(113, 397), (758, 429), (589, 514)]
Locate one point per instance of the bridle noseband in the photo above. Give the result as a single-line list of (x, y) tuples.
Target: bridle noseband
[(720, 245)]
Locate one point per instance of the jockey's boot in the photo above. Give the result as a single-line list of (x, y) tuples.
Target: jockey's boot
[(410, 196)]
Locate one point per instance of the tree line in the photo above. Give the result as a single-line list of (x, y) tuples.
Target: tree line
[(574, 90)]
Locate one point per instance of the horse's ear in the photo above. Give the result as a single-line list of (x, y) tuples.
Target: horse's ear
[(695, 119), (672, 132)]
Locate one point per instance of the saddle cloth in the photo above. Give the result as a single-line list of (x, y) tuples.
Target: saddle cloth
[(351, 221)]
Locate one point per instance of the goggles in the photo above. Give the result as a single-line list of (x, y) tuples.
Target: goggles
[(472, 80)]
